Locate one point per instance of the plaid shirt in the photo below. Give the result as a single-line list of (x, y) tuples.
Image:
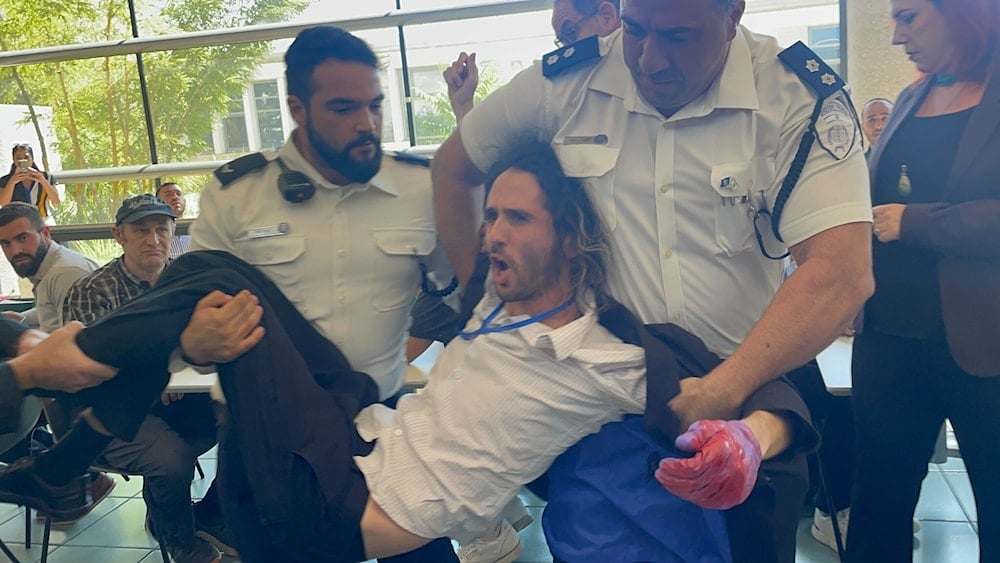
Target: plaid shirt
[(102, 291)]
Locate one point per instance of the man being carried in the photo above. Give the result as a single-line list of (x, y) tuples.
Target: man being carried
[(532, 374)]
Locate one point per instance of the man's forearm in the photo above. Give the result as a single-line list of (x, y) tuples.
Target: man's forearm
[(772, 431), (455, 211), (807, 314)]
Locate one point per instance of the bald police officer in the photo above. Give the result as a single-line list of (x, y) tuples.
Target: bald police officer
[(686, 125)]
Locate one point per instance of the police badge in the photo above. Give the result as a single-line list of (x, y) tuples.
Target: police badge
[(836, 129)]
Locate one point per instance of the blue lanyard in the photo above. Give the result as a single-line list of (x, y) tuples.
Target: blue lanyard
[(486, 329)]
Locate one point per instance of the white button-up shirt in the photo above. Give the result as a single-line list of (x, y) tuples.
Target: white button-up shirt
[(671, 189), (347, 258), (496, 412)]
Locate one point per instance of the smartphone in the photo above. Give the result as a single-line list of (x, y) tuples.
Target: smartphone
[(22, 165)]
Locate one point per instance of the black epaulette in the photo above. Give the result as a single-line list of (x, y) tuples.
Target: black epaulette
[(236, 169), (812, 70), (411, 158), (833, 124), (573, 55)]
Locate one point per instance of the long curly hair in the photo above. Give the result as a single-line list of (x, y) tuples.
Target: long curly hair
[(573, 213)]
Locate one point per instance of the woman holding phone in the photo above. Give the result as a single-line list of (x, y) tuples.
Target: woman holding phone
[(26, 183)]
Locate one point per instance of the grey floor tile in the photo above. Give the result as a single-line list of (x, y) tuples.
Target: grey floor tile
[(8, 511), (946, 542), (535, 548), (958, 482), (24, 555), (13, 529), (200, 486), (126, 489), (937, 501), (953, 464), (79, 554), (123, 527), (807, 549)]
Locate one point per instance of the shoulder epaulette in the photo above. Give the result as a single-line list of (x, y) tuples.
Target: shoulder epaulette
[(236, 169), (571, 56), (811, 69), (411, 158)]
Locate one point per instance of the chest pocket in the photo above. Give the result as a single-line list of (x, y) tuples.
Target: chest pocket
[(395, 264), (279, 257), (738, 190), (595, 166)]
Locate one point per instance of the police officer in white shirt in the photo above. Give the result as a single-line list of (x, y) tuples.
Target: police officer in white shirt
[(685, 126), (342, 233)]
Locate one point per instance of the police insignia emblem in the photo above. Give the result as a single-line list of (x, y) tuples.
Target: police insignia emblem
[(835, 128), (553, 59), (812, 65), (569, 52), (829, 79)]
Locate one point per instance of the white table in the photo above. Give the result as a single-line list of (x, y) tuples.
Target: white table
[(835, 366)]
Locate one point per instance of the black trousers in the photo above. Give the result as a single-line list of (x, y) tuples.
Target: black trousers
[(288, 484), (834, 416), (903, 391)]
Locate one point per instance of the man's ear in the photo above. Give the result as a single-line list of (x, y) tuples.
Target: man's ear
[(46, 233), (569, 247), (298, 109), (607, 18), (735, 16), (118, 233)]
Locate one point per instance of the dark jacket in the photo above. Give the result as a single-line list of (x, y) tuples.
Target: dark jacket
[(964, 229)]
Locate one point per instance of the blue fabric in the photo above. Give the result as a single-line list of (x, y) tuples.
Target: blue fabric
[(604, 504)]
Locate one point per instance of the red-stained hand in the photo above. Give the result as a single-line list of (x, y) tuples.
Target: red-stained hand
[(723, 470)]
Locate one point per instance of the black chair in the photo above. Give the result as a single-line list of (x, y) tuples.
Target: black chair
[(31, 412), (59, 422)]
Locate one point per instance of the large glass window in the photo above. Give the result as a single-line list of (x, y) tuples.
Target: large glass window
[(214, 103), (267, 105)]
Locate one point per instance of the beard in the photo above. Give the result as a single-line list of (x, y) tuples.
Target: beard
[(30, 268), (359, 171)]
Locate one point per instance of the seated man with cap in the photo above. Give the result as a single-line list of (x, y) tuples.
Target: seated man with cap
[(176, 430)]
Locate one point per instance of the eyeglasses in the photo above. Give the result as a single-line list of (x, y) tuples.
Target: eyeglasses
[(570, 31)]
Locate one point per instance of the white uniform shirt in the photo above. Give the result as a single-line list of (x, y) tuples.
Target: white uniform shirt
[(496, 412), (59, 270), (682, 253), (347, 258)]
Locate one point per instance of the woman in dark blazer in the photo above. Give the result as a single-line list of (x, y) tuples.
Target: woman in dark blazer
[(930, 348)]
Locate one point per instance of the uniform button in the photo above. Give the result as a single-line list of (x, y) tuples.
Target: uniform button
[(342, 300), (664, 189), (668, 254), (397, 432), (341, 252), (677, 316)]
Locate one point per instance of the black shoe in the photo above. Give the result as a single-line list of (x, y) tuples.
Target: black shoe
[(216, 534), (20, 484)]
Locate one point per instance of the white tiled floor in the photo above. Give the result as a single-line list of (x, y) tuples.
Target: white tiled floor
[(113, 532)]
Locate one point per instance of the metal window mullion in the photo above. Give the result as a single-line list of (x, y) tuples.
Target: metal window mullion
[(264, 32)]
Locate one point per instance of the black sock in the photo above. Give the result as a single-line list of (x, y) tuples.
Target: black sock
[(72, 455)]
